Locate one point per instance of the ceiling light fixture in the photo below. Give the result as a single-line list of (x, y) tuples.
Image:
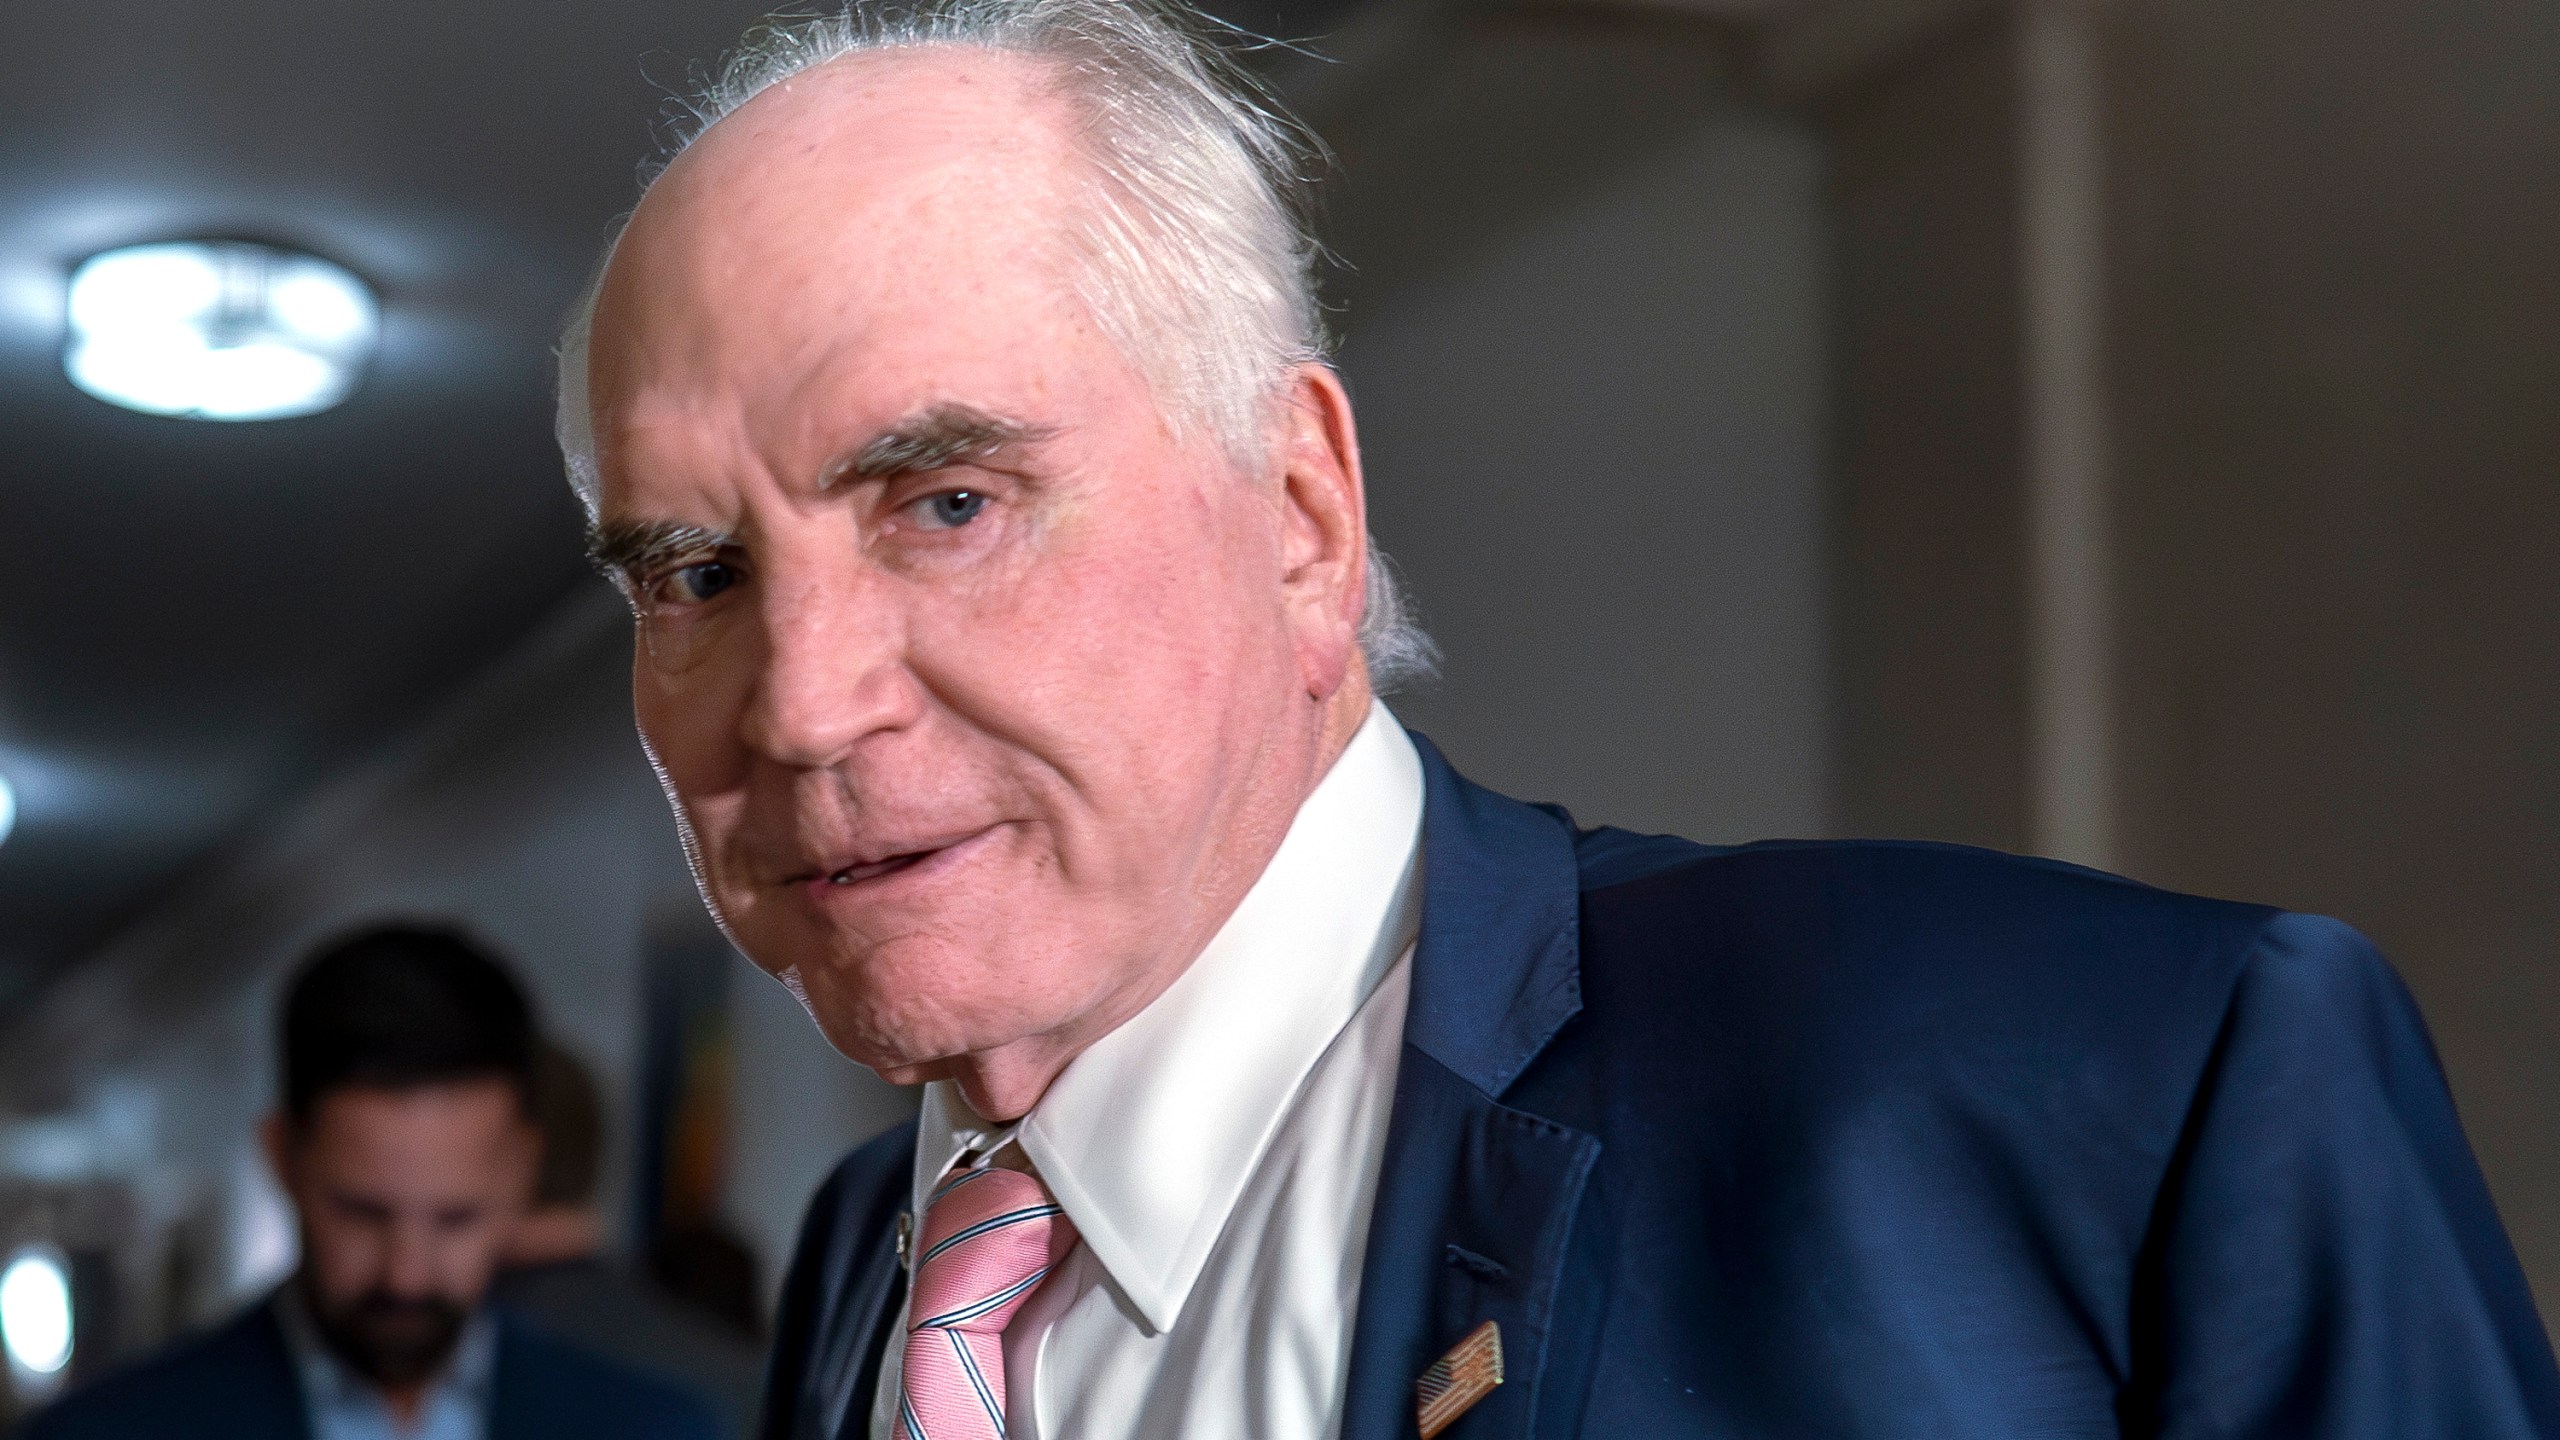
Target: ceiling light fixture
[(35, 1312), (218, 330), (8, 807)]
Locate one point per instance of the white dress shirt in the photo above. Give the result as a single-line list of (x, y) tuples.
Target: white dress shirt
[(1219, 1152)]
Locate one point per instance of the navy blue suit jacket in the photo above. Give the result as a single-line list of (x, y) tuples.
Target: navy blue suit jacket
[(237, 1383), (1869, 1140)]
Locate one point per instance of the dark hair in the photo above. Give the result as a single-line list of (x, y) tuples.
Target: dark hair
[(570, 1115), (399, 1006)]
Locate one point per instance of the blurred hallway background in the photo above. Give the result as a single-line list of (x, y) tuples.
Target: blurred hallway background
[(2119, 430)]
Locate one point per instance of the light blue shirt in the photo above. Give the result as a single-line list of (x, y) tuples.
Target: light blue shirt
[(345, 1406)]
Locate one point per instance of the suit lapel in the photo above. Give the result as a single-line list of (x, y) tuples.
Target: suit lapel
[(850, 1343), (269, 1397), (1476, 1201), (514, 1405)]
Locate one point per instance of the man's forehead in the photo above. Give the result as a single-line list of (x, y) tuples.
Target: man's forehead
[(469, 1102), (861, 139), (896, 191), (871, 401)]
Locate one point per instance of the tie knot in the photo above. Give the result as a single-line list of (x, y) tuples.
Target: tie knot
[(989, 1238)]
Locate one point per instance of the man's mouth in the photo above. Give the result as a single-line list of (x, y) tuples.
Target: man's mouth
[(842, 872), (856, 874)]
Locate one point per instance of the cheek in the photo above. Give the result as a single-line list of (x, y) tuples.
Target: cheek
[(1168, 609), (470, 1253), (691, 734), (345, 1256), (680, 720)]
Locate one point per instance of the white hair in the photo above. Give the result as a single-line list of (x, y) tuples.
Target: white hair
[(1195, 251)]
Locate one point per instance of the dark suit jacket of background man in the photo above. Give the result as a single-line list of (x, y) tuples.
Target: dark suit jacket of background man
[(238, 1383), (1830, 1140), (606, 1309)]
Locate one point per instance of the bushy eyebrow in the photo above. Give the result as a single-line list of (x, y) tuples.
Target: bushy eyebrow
[(934, 437), (622, 549), (926, 440)]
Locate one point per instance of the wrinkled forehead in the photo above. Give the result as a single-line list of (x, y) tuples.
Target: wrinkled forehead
[(912, 186)]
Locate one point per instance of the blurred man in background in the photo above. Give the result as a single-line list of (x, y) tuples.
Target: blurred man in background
[(406, 1145), (558, 1276)]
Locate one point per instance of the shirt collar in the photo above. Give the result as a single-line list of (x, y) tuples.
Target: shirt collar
[(330, 1387), (1147, 1138)]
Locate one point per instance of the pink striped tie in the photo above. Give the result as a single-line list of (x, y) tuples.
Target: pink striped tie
[(990, 1237)]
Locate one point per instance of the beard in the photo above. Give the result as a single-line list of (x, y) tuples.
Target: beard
[(394, 1341)]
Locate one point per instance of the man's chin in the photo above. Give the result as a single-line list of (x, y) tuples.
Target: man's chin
[(913, 1002), (912, 1044), (885, 1003), (396, 1346), (900, 1053), (920, 1073)]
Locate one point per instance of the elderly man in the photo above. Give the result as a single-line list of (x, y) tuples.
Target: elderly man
[(952, 411)]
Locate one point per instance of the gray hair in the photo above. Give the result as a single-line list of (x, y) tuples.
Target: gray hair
[(1196, 250)]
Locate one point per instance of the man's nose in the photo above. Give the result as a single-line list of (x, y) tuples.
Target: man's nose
[(834, 668), (409, 1270)]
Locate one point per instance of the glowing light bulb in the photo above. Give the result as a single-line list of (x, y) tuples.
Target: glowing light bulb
[(218, 330), (35, 1311)]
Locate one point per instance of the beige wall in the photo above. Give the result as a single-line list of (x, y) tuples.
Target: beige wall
[(1929, 528), (2338, 391), (1584, 323)]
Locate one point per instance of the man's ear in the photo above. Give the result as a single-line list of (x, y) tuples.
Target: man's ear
[(1325, 526)]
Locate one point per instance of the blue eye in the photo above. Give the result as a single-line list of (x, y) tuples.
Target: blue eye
[(702, 581), (951, 509)]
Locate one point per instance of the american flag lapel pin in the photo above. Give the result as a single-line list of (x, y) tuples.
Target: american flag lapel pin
[(1457, 1380)]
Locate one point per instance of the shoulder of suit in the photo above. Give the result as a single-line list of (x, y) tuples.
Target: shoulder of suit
[(549, 1374), (1905, 927), (1896, 879), (235, 1364)]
